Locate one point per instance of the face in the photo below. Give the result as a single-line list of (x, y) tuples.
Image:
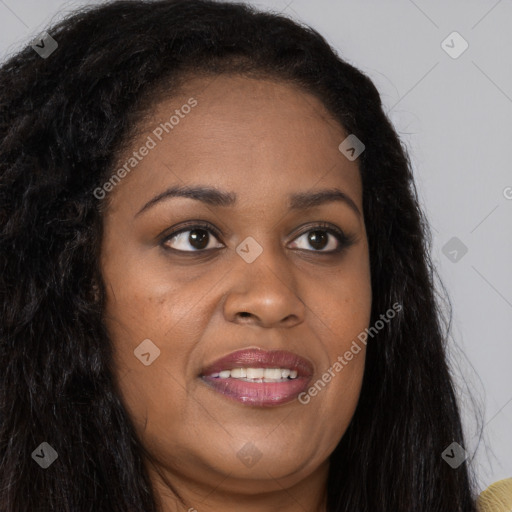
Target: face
[(236, 242)]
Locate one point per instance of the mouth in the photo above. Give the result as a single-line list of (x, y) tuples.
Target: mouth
[(259, 378)]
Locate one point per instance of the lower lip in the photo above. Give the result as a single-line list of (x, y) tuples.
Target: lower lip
[(260, 394)]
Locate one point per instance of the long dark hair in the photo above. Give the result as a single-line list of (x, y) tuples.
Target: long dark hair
[(62, 119)]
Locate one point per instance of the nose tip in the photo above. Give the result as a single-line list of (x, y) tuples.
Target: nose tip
[(265, 295)]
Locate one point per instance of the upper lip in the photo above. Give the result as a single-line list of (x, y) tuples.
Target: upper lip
[(258, 358)]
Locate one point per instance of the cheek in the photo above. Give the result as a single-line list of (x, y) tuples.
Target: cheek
[(151, 298), (137, 312), (341, 301), (145, 305), (340, 311), (170, 306)]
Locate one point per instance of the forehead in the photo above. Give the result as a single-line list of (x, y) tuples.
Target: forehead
[(255, 136)]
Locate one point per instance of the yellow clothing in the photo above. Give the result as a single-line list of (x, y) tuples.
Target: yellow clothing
[(497, 497)]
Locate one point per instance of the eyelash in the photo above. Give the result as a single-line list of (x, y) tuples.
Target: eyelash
[(344, 241)]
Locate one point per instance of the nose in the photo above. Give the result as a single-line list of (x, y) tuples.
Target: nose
[(264, 293)]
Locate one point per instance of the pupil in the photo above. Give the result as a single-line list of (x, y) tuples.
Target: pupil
[(198, 238), (318, 239)]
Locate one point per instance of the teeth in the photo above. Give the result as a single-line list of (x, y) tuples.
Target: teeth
[(258, 374), (255, 373), (272, 373), (237, 373)]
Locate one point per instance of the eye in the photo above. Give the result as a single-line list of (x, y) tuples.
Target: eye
[(323, 238), (192, 239)]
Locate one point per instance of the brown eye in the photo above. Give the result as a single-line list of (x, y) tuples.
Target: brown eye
[(323, 239), (318, 239), (195, 239)]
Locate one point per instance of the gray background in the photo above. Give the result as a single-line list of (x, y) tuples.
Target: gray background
[(454, 115)]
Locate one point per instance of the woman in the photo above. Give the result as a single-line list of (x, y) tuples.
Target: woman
[(217, 293)]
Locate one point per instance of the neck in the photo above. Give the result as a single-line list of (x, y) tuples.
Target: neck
[(231, 494)]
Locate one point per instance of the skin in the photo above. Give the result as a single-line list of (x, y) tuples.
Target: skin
[(261, 140)]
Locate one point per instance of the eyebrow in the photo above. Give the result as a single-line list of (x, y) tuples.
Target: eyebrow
[(215, 197)]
